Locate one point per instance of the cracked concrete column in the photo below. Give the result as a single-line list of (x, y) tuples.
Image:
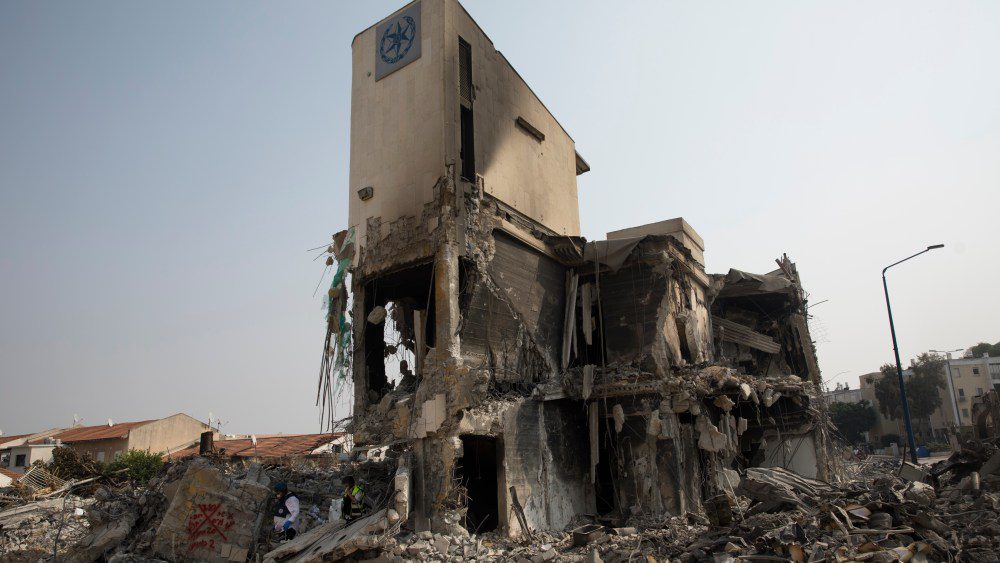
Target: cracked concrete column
[(446, 275)]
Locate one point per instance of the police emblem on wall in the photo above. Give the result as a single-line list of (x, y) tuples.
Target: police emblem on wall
[(397, 41)]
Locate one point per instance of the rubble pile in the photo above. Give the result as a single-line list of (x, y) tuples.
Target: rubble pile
[(35, 530), (778, 516), (879, 510), (316, 485), (197, 509)]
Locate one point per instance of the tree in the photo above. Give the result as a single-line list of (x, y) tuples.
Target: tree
[(978, 350), (922, 388), (68, 463), (139, 466), (887, 392), (853, 419)]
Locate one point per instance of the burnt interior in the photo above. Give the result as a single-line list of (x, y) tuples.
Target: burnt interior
[(390, 346), (477, 471)]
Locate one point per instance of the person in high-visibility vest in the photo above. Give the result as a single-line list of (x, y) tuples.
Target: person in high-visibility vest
[(353, 498)]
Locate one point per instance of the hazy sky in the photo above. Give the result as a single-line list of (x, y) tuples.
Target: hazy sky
[(165, 166)]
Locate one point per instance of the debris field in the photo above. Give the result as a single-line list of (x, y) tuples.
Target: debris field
[(877, 509)]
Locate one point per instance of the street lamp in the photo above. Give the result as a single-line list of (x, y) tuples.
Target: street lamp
[(895, 349), (951, 382)]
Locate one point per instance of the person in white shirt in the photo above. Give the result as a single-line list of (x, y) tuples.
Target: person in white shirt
[(286, 511)]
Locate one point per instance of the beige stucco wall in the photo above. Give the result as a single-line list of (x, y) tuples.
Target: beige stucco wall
[(24, 450), (405, 129), (883, 425), (99, 448), (968, 385), (397, 127), (536, 178), (167, 434)]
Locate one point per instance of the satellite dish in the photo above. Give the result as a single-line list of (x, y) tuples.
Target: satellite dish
[(253, 440), (76, 420), (111, 422), (211, 418)]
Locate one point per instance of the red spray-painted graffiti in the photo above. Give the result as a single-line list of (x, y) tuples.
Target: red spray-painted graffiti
[(209, 522)]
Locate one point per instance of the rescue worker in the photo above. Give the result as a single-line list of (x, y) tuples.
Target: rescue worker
[(286, 511), (353, 498)]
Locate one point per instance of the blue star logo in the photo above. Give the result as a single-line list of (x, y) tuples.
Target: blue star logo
[(397, 40)]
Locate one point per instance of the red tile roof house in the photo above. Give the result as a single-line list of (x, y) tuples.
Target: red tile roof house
[(106, 442), (7, 477), (274, 446), (17, 453)]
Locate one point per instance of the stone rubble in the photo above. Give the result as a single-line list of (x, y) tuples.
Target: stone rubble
[(870, 513), (119, 521)]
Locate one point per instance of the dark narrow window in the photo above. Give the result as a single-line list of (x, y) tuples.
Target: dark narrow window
[(465, 72), (468, 148)]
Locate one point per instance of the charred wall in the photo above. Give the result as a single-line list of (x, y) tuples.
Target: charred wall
[(512, 312), (630, 298), (545, 461)]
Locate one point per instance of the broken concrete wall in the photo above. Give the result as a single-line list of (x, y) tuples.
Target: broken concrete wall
[(512, 312), (629, 297), (511, 307), (795, 452), (212, 517), (545, 445), (760, 323), (654, 307)]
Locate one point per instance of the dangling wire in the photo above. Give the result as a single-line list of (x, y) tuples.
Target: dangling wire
[(335, 363)]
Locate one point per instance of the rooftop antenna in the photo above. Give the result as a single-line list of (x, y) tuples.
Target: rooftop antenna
[(210, 418)]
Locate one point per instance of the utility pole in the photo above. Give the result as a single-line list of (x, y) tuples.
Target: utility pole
[(951, 383)]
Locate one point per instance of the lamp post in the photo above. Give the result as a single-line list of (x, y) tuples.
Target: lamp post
[(895, 350)]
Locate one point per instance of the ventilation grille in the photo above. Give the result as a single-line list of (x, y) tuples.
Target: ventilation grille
[(465, 72)]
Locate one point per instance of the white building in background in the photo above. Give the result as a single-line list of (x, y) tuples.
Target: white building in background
[(844, 394)]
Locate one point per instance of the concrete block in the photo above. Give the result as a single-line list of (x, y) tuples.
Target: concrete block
[(911, 472), (432, 415), (211, 517)]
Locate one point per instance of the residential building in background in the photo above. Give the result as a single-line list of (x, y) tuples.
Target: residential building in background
[(17, 453), (274, 446), (8, 477), (103, 442), (965, 379), (108, 441), (844, 394)]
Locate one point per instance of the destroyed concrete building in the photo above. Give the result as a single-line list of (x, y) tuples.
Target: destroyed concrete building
[(529, 375)]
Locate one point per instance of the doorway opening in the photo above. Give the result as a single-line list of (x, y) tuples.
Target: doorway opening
[(606, 495), (477, 470)]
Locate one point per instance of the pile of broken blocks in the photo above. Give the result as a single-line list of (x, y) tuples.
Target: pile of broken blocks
[(894, 512), (197, 509), (878, 510)]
